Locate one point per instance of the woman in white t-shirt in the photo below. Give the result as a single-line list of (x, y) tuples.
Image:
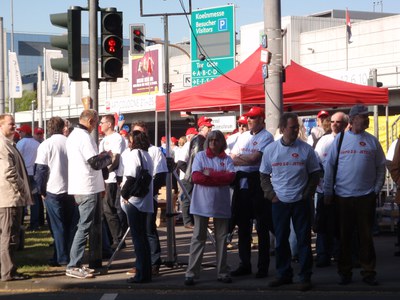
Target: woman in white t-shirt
[(212, 172), (137, 208)]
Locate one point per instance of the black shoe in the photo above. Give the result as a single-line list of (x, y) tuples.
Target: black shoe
[(225, 279), (241, 271), (189, 281), (261, 274), (18, 276), (155, 270), (305, 286), (280, 281), (370, 280), (136, 280), (344, 280), (397, 253), (53, 263), (323, 264)]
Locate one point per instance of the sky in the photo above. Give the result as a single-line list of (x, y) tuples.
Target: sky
[(33, 16)]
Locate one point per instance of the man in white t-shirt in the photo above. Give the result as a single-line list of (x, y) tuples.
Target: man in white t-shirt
[(85, 182), (326, 241), (290, 173), (51, 177), (232, 139), (248, 201), (28, 146), (115, 143), (318, 131)]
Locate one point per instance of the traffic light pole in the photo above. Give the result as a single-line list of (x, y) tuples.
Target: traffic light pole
[(171, 247), (95, 234)]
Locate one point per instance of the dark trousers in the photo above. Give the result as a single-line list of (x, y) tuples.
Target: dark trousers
[(249, 206), (186, 216), (111, 213), (327, 243), (356, 214)]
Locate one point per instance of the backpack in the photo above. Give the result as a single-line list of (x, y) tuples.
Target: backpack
[(138, 186)]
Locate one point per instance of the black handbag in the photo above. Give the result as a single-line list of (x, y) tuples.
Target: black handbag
[(138, 186)]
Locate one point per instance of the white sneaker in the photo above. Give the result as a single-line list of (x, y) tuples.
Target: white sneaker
[(90, 271), (78, 273)]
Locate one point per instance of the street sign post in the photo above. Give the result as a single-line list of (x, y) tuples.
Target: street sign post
[(213, 43)]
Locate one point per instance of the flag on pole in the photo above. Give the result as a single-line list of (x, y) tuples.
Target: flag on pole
[(15, 86), (57, 83), (348, 27)]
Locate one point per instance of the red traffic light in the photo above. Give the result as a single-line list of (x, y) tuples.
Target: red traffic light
[(112, 44), (137, 32)]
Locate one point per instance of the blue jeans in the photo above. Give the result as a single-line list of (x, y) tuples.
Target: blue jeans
[(152, 236), (63, 214), (86, 207), (36, 210), (299, 212), (137, 224)]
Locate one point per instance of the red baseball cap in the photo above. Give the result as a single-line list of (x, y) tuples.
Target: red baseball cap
[(255, 111), (242, 120), (25, 128), (174, 140), (204, 121), (163, 139), (38, 130), (123, 132), (191, 130), (323, 113)]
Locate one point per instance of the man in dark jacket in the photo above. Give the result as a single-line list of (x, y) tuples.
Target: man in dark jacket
[(196, 145)]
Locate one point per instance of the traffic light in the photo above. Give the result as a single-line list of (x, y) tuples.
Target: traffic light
[(138, 40), (71, 42), (111, 44)]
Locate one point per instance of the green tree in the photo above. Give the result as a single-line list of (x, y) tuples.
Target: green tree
[(25, 103)]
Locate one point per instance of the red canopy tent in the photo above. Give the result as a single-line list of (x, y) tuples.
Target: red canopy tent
[(303, 90)]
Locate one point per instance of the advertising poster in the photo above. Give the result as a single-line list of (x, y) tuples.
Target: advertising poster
[(145, 74)]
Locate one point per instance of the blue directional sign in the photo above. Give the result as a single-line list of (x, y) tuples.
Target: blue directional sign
[(213, 43)]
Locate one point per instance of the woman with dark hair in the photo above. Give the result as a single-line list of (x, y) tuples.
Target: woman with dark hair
[(212, 172), (137, 208)]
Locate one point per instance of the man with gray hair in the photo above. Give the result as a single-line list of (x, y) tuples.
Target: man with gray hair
[(15, 194), (324, 227), (354, 176), (85, 181)]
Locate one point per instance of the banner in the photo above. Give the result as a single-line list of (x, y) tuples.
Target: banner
[(15, 86), (145, 71), (57, 83)]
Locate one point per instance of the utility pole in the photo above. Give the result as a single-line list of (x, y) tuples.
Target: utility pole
[(273, 83)]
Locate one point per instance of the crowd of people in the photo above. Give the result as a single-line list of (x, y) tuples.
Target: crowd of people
[(284, 186)]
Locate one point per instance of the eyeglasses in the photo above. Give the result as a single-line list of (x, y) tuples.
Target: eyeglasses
[(336, 122)]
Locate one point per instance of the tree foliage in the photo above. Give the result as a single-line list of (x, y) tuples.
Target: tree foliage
[(25, 103)]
